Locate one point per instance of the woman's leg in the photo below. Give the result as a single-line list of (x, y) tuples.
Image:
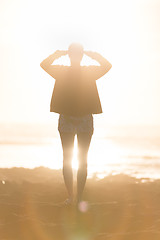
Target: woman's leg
[(67, 140), (84, 139)]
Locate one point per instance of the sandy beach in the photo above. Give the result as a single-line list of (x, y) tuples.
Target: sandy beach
[(116, 207)]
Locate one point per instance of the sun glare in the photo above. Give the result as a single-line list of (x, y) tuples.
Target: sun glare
[(124, 32), (75, 152)]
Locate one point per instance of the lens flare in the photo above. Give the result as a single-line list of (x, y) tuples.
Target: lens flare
[(83, 206)]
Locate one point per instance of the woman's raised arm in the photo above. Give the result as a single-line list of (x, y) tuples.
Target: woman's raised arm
[(46, 64), (98, 71), (99, 58), (49, 60)]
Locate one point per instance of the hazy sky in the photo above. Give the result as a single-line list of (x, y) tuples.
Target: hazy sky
[(126, 32)]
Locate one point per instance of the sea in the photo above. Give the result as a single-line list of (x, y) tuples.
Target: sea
[(132, 150)]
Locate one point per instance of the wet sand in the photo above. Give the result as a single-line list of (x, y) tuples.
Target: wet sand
[(116, 207)]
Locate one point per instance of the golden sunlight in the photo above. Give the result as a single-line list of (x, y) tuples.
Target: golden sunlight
[(115, 29), (114, 191)]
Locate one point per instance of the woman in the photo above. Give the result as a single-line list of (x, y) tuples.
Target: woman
[(75, 97)]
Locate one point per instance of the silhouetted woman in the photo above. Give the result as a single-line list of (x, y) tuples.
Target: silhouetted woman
[(75, 97)]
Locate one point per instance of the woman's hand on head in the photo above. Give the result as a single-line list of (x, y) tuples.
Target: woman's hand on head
[(59, 53), (92, 54)]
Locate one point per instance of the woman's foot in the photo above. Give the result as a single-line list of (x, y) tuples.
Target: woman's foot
[(69, 201)]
